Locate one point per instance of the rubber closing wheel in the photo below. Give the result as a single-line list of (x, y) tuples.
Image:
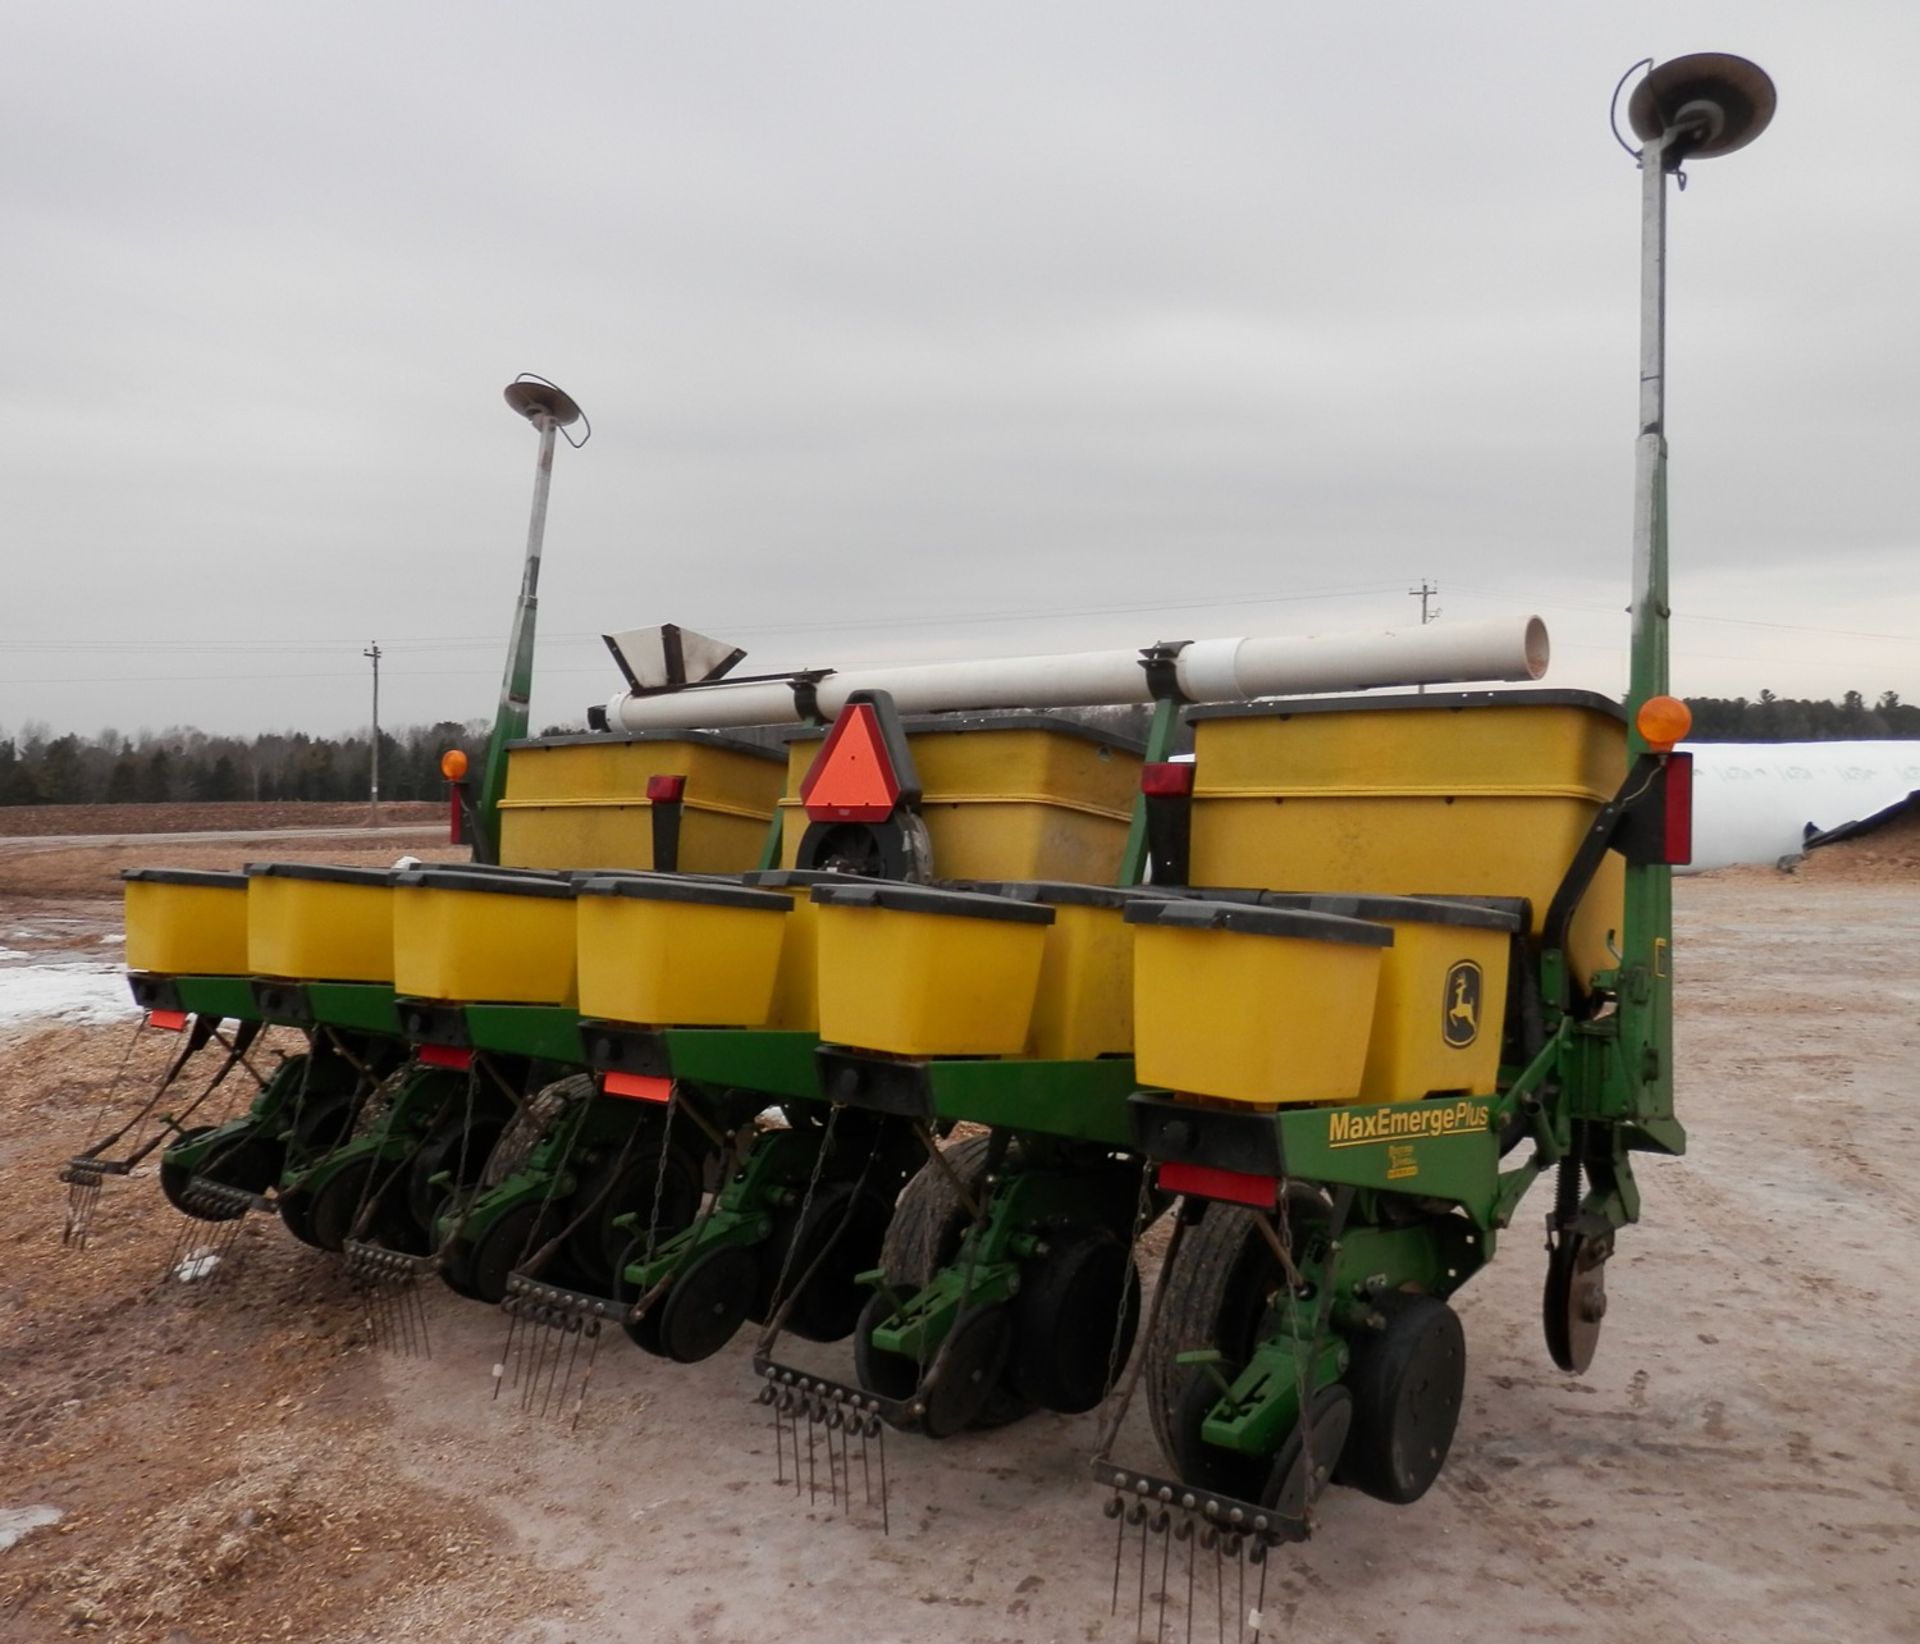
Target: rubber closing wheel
[(338, 1204), (966, 1369), (615, 1187), (499, 1250), (1065, 1319), (456, 1150), (1306, 1460), (850, 1230), (296, 1215), (1407, 1382), (334, 1206), (705, 1305), (250, 1163)]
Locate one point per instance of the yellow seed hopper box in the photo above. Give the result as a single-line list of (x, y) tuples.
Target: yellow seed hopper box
[(312, 923), (915, 971), (1252, 1004), (471, 935), (1083, 1006), (1440, 1016), (587, 801), (670, 950), (185, 922), (796, 987), (1461, 793), (1005, 796)]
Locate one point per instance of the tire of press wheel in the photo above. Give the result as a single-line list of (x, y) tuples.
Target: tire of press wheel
[(1216, 1297), (930, 1220), (1407, 1382)]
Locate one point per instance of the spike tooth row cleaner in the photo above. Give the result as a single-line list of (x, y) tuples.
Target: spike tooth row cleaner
[(687, 1044)]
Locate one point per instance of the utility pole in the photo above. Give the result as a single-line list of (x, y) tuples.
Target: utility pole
[(372, 652), (1425, 593)]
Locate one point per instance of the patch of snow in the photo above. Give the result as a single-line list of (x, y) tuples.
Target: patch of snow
[(9, 956), (18, 1521), (113, 937), (196, 1266), (67, 993)]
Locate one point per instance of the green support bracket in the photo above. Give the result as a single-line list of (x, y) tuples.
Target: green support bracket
[(778, 1063), (918, 1328), (1079, 1101), (230, 997), (548, 1033), (1048, 1189), (360, 1007), (1443, 1148), (774, 1172), (1255, 1415)]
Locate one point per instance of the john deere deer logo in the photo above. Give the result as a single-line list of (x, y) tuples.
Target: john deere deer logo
[(1460, 1019)]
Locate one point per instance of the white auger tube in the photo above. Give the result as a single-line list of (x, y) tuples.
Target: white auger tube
[(1207, 670)]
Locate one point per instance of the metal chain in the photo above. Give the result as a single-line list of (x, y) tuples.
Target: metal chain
[(806, 1204), (1141, 1208), (462, 1193), (660, 1172)]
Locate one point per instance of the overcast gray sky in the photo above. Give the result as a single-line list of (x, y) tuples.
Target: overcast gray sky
[(924, 330)]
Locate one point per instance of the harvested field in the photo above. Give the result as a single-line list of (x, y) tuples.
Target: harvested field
[(233, 1462), (234, 816)]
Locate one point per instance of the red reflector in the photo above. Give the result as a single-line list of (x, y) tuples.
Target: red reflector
[(851, 778), (1235, 1186), (1677, 821), (1172, 780), (446, 1056), (645, 1087), (172, 1020), (666, 790)]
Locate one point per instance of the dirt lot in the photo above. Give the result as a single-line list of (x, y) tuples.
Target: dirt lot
[(234, 1462)]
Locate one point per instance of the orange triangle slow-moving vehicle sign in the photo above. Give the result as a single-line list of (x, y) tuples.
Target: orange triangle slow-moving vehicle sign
[(852, 778)]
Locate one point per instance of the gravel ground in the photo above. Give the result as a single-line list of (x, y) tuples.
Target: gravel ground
[(234, 1462)]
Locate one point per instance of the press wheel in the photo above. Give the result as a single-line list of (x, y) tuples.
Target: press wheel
[(251, 1163), (1065, 1319), (502, 1248), (615, 1186), (966, 1368), (454, 1148), (851, 1230), (337, 1204), (705, 1305), (1306, 1459), (1408, 1381), (296, 1215)]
